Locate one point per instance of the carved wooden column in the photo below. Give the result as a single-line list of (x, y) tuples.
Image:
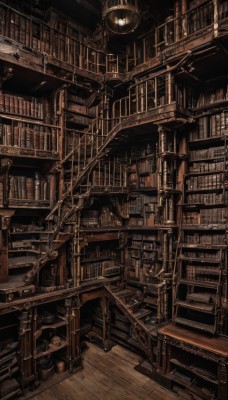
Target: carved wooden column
[(105, 313), (74, 332), (5, 165), (5, 216), (26, 348)]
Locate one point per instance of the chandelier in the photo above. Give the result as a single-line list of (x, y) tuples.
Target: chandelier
[(121, 16)]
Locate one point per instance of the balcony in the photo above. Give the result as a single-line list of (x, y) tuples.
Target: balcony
[(177, 35)]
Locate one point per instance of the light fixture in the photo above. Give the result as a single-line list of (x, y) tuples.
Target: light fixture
[(121, 16)]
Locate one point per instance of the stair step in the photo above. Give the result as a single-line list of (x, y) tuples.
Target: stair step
[(115, 289), (133, 308), (194, 324), (142, 313), (202, 307), (124, 293), (201, 297)]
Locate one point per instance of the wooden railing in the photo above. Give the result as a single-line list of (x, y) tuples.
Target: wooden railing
[(42, 38), (194, 22)]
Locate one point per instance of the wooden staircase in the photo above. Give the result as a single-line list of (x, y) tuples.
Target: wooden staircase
[(83, 157), (130, 302)]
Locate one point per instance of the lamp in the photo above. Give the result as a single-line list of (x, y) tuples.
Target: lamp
[(121, 16)]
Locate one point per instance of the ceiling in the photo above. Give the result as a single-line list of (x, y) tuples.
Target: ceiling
[(89, 12)]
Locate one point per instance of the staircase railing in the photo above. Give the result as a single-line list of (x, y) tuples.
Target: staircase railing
[(138, 327)]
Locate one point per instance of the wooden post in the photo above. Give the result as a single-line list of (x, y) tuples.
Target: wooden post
[(184, 20), (105, 312), (5, 216), (216, 16), (26, 348)]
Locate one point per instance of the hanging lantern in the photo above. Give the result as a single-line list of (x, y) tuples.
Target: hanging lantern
[(121, 16)]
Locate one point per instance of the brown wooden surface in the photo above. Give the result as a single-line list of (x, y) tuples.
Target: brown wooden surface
[(107, 376), (216, 345)]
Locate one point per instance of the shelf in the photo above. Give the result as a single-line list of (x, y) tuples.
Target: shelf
[(24, 250), (206, 284), (27, 120), (22, 262), (199, 260), (220, 171), (193, 389), (204, 374), (144, 189), (207, 271), (31, 233), (168, 154), (150, 251), (51, 350), (92, 260), (214, 227), (202, 205), (208, 159), (204, 246), (146, 157), (214, 190), (194, 324), (58, 322), (208, 140), (25, 203), (14, 151), (200, 307)]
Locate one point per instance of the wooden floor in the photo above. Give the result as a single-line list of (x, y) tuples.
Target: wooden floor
[(107, 376)]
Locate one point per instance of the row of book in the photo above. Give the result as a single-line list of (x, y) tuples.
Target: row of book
[(22, 244), (145, 166), (81, 109), (211, 96), (145, 180), (92, 271), (141, 204), (103, 217), (197, 238), (210, 127), (144, 238), (29, 136), (212, 255), (141, 245), (147, 220), (142, 270), (213, 181), (207, 166), (94, 253), (207, 198), (206, 216), (212, 152), (23, 106), (197, 273), (108, 218), (30, 188)]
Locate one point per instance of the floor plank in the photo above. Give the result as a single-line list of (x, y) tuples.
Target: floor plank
[(107, 376)]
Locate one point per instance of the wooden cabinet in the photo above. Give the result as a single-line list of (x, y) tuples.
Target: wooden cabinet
[(194, 362)]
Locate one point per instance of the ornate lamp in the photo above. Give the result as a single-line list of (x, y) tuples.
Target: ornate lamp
[(121, 16)]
